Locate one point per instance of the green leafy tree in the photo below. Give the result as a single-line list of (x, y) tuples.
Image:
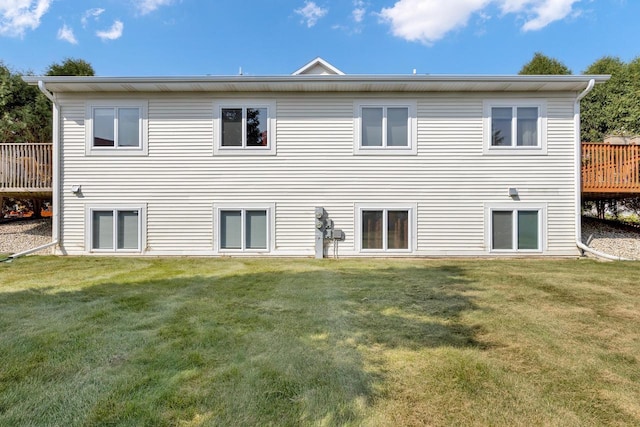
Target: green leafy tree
[(71, 67), (542, 64), (612, 108), (25, 114)]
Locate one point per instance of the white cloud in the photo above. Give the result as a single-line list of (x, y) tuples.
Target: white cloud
[(148, 6), (311, 12), (66, 33), (428, 21), (359, 11), (91, 13), (546, 12), (17, 16), (113, 33)]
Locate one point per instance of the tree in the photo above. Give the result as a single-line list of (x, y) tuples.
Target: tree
[(612, 108), (71, 67), (542, 64), (25, 114)]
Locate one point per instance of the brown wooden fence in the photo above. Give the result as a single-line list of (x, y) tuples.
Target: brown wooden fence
[(610, 168), (25, 167)]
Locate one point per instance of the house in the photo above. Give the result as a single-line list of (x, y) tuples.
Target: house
[(317, 163)]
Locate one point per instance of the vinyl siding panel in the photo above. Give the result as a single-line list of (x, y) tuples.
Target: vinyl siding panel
[(450, 179)]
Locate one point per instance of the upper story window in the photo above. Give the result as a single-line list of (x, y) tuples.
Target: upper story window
[(244, 127), (515, 127), (117, 128), (385, 127)]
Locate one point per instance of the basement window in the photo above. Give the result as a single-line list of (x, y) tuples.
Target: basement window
[(385, 229), (115, 229), (516, 229), (243, 229)]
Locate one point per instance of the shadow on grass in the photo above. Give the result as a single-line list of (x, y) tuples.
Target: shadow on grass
[(278, 347)]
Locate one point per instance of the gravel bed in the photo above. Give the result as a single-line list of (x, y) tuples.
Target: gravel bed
[(18, 236), (610, 239)]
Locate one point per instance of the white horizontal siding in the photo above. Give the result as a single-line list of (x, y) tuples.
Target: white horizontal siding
[(449, 179)]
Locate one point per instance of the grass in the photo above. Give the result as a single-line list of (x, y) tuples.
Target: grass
[(191, 342)]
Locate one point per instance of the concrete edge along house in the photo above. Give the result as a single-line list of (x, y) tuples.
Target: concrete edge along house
[(317, 163)]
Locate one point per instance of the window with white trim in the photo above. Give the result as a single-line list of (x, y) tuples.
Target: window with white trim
[(385, 127), (116, 128), (385, 229), (244, 127), (515, 127), (516, 230), (243, 229), (115, 229)]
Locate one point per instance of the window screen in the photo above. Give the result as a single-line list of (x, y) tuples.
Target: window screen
[(502, 226), (501, 126), (528, 230), (128, 233), (232, 127), (102, 230), (371, 229), (372, 127), (256, 231), (231, 229), (103, 127), (398, 127), (128, 127)]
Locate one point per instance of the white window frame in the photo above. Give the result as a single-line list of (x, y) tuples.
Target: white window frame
[(115, 208), (270, 149), (514, 149), (412, 128), (141, 150), (411, 208), (243, 207), (541, 208)]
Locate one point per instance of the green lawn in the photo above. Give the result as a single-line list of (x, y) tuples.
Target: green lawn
[(197, 341)]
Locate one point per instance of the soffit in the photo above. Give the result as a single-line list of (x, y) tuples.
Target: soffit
[(324, 83)]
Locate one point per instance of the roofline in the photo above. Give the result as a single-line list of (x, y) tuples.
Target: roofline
[(351, 78), (314, 62), (369, 83)]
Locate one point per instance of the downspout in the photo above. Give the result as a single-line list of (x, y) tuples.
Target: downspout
[(55, 196), (578, 172)]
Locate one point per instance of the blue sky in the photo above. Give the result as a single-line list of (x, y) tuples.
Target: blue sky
[(271, 37)]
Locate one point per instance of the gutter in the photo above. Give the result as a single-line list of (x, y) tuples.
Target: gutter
[(55, 197), (578, 171)]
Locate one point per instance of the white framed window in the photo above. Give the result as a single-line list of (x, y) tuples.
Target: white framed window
[(515, 127), (385, 127), (118, 229), (245, 228), (515, 229), (385, 228), (244, 127), (116, 128)]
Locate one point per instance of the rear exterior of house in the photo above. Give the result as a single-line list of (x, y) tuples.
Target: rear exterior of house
[(403, 165)]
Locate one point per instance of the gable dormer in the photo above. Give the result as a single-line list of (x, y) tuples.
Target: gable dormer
[(318, 67)]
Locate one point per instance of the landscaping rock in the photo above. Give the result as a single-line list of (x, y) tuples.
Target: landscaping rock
[(18, 236), (613, 240)]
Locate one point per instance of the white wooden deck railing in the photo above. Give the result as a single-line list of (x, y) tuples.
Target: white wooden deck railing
[(25, 167)]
